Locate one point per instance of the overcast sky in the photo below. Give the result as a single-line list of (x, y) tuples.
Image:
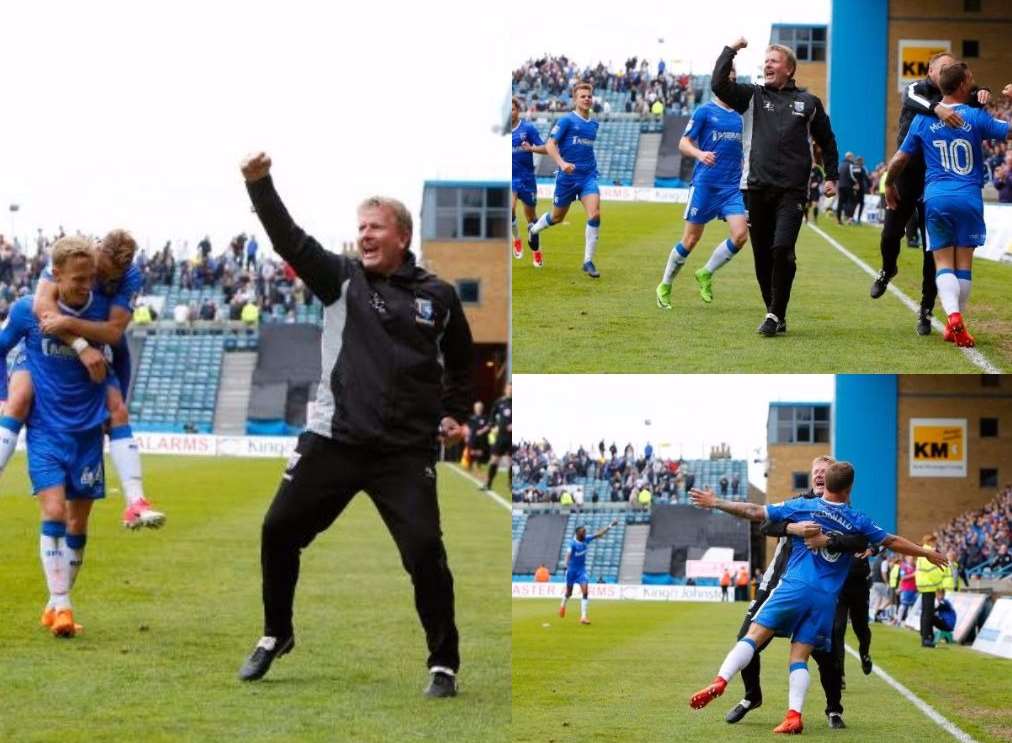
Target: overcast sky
[(693, 33), (687, 414), (137, 114)]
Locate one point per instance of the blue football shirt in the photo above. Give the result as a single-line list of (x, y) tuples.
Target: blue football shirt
[(65, 397), (715, 129), (523, 162), (823, 569), (575, 137), (954, 159), (578, 554)]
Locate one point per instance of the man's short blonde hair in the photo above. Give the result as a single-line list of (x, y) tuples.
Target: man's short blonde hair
[(71, 246), (792, 61), (400, 213), (824, 458), (583, 86), (120, 246)]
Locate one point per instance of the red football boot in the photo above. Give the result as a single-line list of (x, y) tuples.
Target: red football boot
[(518, 249), (960, 335), (538, 260), (707, 694), (791, 725)]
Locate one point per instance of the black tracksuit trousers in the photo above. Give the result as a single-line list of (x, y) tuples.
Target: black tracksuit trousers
[(319, 481)]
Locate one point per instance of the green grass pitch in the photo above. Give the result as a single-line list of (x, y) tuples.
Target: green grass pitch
[(566, 322), (629, 675), (170, 615)]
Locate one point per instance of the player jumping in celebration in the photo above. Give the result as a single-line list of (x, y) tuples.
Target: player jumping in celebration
[(64, 427), (571, 145), (117, 282), (576, 568), (953, 205), (715, 192), (526, 141), (804, 603)]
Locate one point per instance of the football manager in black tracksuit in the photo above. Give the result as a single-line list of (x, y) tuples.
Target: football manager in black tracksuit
[(830, 672), (921, 97), (778, 120), (396, 363)]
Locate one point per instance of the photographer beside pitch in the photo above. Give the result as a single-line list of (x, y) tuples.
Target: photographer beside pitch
[(778, 118), (396, 365)]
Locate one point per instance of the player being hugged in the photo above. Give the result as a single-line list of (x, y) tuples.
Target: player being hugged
[(713, 138), (524, 186), (64, 427), (953, 204), (804, 603), (576, 568), (571, 145)]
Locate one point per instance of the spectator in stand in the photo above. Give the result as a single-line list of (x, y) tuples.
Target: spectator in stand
[(251, 253), (723, 486), (541, 575), (735, 484), (204, 248), (250, 314), (208, 309), (181, 316), (1002, 560), (1003, 180)]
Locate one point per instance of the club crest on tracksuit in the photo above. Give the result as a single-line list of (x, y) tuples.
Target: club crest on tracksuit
[(424, 313)]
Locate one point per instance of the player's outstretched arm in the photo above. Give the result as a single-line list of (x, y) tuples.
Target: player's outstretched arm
[(708, 499), (736, 95), (322, 271), (905, 547), (606, 529), (538, 148)]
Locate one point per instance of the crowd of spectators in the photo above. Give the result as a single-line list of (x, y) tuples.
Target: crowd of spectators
[(545, 85), (980, 538), (541, 474), (243, 274)]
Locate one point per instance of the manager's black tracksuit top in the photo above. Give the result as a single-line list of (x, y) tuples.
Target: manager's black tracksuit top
[(776, 128), (396, 350)]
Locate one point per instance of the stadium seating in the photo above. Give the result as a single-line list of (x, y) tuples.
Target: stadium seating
[(177, 382)]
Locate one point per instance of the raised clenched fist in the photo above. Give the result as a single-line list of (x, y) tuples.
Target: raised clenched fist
[(256, 166)]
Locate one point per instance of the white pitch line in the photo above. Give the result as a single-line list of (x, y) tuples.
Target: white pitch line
[(923, 706), (494, 496), (974, 356)]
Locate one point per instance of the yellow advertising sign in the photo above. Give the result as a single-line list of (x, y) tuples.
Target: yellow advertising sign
[(912, 59), (938, 447)]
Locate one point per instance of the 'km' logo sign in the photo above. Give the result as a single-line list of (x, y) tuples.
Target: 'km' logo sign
[(935, 450)]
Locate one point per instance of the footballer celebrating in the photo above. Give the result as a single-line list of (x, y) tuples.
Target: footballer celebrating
[(715, 193), (64, 427), (953, 204), (524, 186), (571, 145), (576, 568), (803, 606)]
